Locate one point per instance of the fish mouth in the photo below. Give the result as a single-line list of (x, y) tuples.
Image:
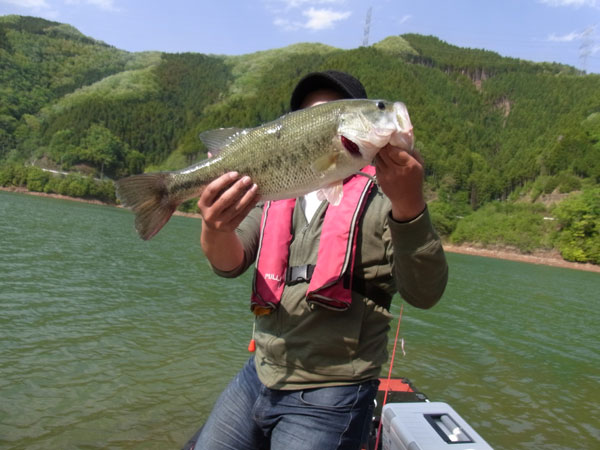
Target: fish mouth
[(393, 127), (352, 147), (403, 136)]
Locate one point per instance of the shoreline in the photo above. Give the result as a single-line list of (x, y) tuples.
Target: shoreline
[(547, 258)]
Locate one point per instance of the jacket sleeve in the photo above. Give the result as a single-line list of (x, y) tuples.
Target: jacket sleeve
[(419, 263), (249, 234)]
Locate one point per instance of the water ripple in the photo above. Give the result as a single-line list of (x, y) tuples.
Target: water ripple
[(109, 342)]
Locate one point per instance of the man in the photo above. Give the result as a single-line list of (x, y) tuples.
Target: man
[(313, 378)]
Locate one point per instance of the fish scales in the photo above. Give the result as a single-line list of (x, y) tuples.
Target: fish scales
[(281, 162)]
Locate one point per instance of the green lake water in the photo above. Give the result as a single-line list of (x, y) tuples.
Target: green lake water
[(110, 342)]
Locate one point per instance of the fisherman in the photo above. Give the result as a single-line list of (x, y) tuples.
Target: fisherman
[(312, 381)]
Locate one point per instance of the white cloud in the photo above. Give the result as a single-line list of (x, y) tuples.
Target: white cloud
[(290, 4), (286, 24), (106, 5), (575, 3), (44, 5), (321, 19), (316, 20), (39, 8), (570, 37), (28, 4), (405, 19), (313, 15), (574, 35)]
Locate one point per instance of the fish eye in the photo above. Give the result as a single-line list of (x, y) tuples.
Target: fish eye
[(381, 105)]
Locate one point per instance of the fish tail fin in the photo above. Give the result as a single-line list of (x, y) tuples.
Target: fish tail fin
[(148, 197)]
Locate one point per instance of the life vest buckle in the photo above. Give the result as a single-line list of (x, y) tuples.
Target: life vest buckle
[(299, 274)]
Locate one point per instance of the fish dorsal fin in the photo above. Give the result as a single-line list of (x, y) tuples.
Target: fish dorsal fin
[(332, 193), (215, 140)]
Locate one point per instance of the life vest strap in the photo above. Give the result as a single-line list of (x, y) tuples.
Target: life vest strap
[(303, 274)]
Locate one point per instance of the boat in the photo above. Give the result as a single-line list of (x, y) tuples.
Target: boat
[(405, 419)]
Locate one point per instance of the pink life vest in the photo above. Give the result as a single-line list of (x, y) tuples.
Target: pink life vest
[(335, 257)]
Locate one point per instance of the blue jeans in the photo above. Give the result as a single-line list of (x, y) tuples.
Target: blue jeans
[(250, 416)]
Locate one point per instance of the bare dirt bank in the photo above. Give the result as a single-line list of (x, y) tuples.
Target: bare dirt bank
[(548, 258)]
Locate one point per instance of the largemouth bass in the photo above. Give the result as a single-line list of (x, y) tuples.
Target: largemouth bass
[(303, 151)]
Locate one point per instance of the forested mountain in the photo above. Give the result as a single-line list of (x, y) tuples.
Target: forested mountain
[(498, 134)]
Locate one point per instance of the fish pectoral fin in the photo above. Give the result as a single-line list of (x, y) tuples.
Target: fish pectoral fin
[(332, 193), (325, 162), (215, 140)]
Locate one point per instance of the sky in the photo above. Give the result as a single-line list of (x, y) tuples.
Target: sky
[(564, 31)]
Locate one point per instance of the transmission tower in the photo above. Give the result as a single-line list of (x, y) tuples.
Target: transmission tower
[(367, 27), (587, 44)]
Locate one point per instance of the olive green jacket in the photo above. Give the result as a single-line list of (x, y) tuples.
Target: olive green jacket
[(301, 346)]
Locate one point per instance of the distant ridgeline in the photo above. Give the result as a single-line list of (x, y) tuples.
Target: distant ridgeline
[(512, 147)]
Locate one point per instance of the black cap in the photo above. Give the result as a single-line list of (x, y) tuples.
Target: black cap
[(345, 84)]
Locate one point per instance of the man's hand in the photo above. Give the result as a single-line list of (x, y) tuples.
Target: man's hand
[(226, 201), (223, 204), (400, 175)]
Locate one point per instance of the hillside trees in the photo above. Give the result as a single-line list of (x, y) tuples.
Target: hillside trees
[(519, 225), (579, 220), (492, 130), (98, 148), (149, 109), (43, 60), (74, 185)]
